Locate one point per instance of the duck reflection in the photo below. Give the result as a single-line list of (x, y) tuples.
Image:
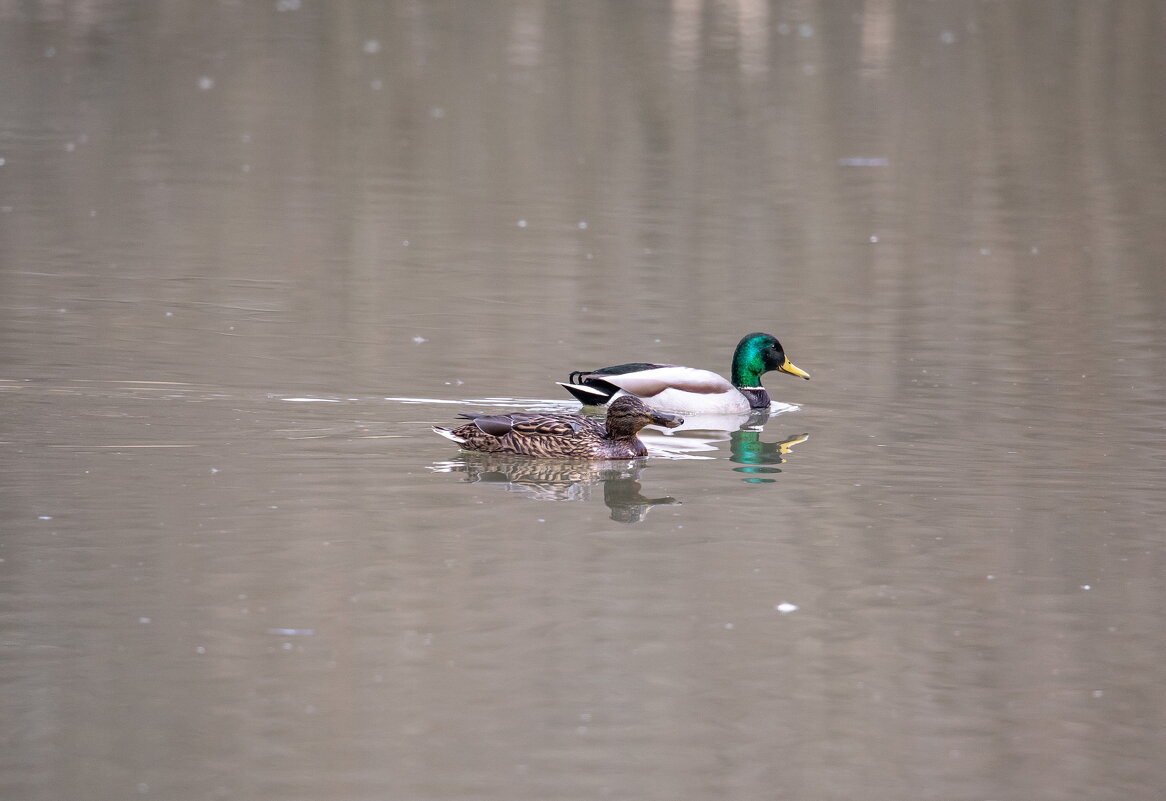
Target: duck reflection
[(554, 480), (709, 432), (700, 434), (746, 448)]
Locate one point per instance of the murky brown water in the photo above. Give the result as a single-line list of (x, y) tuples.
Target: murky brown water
[(250, 252)]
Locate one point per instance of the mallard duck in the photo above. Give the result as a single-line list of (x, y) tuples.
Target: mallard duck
[(563, 436), (687, 389)]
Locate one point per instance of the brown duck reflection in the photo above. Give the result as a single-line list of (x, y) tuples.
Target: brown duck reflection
[(554, 480)]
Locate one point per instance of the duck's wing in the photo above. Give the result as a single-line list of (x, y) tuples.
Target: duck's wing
[(557, 425), (653, 381), (582, 376)]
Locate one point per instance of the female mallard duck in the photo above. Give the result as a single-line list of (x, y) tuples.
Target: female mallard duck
[(687, 389), (563, 436)]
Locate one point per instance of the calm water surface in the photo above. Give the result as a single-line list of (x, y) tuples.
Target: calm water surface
[(250, 252)]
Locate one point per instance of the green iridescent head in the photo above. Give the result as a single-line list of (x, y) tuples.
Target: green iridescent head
[(757, 354)]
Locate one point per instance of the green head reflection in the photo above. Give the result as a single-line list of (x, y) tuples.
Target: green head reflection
[(747, 448)]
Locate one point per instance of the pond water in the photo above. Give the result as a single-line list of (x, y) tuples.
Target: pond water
[(251, 252)]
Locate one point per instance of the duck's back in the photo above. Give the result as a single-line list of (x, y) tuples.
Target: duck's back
[(564, 436)]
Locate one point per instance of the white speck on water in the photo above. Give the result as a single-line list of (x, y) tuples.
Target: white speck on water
[(785, 608), (542, 520), (1034, 250), (417, 340), (405, 242), (50, 52), (206, 82), (874, 240), (589, 257), (805, 30), (2, 162), (371, 46), (864, 161), (246, 168), (287, 646), (729, 626), (310, 400), (582, 225), (245, 138), (70, 147), (214, 470), (44, 517), (1098, 693), (985, 251), (144, 620), (521, 223), (437, 112), (947, 37), (287, 5), (376, 84), (991, 577), (92, 212), (200, 649), (170, 314), (1086, 587)]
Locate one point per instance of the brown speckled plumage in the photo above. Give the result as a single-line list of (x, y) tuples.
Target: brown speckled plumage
[(563, 436)]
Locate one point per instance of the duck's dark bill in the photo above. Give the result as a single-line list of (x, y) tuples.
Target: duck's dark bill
[(667, 420)]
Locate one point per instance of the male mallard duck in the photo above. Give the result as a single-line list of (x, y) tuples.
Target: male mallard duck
[(563, 436), (687, 389)]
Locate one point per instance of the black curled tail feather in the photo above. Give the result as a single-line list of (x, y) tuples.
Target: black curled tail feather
[(590, 391)]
